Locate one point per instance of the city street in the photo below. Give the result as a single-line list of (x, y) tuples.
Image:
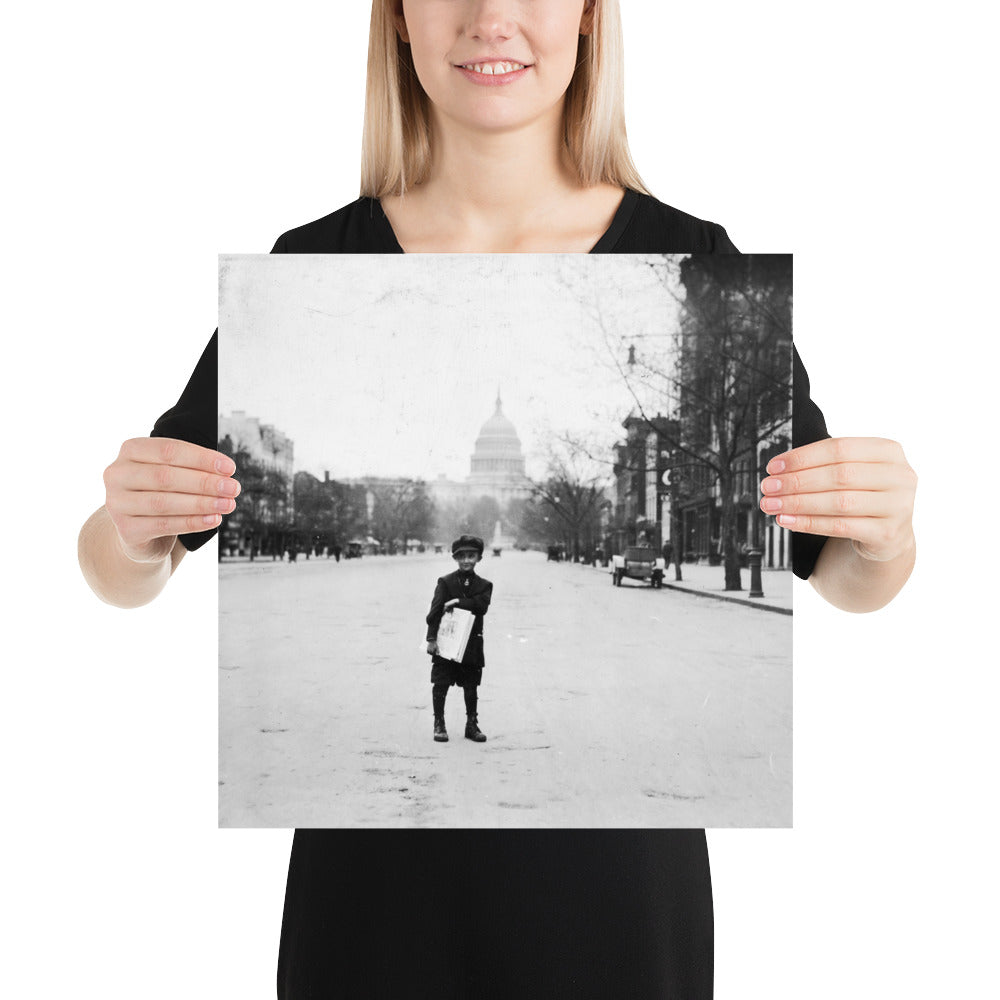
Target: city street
[(603, 706)]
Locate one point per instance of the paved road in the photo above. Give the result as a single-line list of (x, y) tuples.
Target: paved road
[(603, 706)]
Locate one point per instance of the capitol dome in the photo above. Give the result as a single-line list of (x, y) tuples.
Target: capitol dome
[(498, 462), (498, 434)]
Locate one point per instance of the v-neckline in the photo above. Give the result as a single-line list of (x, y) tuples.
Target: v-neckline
[(605, 244)]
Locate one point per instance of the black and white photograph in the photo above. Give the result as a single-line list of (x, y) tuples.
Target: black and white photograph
[(498, 558)]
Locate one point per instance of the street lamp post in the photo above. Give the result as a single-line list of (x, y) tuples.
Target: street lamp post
[(756, 587), (755, 553)]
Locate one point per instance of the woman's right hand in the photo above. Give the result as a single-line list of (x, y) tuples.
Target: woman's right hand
[(159, 488)]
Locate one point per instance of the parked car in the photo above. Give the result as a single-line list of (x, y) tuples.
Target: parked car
[(638, 563), (354, 549)]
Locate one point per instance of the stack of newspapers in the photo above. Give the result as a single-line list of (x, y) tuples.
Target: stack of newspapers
[(453, 633)]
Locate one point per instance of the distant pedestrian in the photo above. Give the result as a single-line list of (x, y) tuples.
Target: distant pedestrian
[(465, 590)]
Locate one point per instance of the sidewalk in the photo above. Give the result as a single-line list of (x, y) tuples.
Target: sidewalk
[(709, 581)]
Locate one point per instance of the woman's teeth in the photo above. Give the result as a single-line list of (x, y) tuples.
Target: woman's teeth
[(494, 69)]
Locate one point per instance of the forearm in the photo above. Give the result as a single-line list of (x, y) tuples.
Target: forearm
[(432, 628), (852, 583), (477, 605), (434, 623), (113, 576)]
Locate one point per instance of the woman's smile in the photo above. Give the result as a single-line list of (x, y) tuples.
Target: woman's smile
[(493, 74)]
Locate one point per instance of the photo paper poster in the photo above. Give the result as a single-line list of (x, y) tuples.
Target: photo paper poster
[(568, 447)]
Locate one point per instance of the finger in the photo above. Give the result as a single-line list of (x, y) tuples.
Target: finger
[(142, 477), (834, 451), (183, 454), (848, 476), (135, 531), (873, 537), (161, 504), (841, 503), (867, 530)]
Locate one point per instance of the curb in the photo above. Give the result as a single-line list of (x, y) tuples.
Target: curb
[(747, 601)]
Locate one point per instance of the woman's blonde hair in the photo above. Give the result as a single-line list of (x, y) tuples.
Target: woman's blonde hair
[(396, 143)]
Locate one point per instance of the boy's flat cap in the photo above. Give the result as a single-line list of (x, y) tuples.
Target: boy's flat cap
[(467, 543)]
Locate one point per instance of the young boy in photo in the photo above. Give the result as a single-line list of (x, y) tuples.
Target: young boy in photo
[(461, 589)]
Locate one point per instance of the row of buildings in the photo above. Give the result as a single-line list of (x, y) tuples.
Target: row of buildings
[(664, 498), (496, 471), (659, 493)]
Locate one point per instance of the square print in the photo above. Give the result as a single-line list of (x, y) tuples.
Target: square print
[(587, 433)]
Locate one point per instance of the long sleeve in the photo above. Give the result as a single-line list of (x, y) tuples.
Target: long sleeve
[(437, 610), (478, 604)]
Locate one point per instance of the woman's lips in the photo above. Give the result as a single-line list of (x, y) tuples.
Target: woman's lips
[(493, 73)]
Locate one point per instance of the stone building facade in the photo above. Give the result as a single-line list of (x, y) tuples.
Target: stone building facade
[(496, 466)]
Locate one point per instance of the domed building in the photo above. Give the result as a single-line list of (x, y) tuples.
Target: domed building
[(497, 468)]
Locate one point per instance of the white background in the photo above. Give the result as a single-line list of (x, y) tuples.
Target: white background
[(142, 140)]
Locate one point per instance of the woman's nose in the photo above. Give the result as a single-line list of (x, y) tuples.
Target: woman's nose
[(491, 20)]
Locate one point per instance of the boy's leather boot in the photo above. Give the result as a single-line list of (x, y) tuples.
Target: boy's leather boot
[(438, 697), (472, 730)]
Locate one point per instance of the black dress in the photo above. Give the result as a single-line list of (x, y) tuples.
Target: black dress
[(450, 914)]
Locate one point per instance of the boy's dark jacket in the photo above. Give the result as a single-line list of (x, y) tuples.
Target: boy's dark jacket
[(473, 596)]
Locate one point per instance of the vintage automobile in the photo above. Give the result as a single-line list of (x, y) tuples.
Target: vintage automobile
[(355, 548), (638, 563)]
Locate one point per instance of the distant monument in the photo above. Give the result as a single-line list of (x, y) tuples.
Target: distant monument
[(499, 543)]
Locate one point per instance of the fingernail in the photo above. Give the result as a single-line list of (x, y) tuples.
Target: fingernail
[(770, 504), (771, 485), (228, 486), (775, 466), (210, 519), (226, 466), (223, 505), (786, 519)]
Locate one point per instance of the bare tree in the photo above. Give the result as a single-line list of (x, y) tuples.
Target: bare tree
[(571, 497), (327, 512), (402, 510)]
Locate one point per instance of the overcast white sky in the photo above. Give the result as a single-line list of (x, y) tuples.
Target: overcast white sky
[(390, 364)]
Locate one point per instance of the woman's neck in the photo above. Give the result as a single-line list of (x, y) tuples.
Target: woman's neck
[(513, 191), (504, 176)]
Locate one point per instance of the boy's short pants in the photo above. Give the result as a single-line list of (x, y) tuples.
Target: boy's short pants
[(449, 672)]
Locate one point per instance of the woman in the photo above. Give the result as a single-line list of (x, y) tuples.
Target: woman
[(497, 127)]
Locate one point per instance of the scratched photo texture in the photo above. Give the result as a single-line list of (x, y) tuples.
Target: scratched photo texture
[(601, 423)]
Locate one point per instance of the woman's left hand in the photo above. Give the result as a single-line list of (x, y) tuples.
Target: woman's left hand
[(861, 489)]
